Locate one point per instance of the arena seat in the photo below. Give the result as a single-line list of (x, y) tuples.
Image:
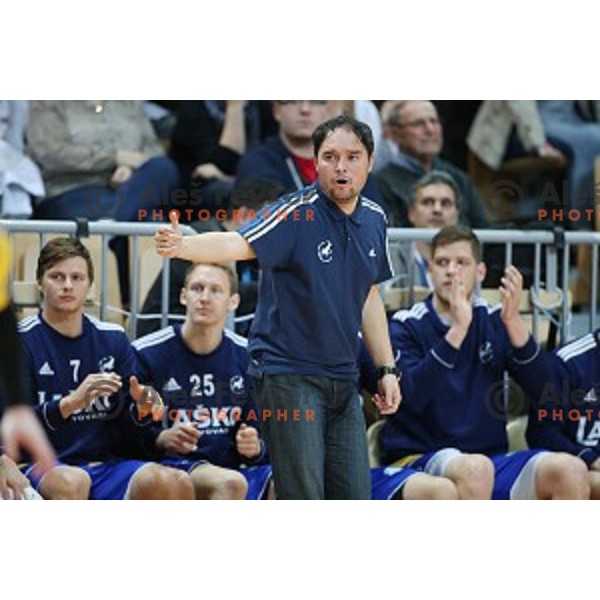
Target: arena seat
[(373, 443), (21, 242), (515, 430)]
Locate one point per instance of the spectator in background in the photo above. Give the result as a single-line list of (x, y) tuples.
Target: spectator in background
[(490, 136), (434, 203), (564, 130), (574, 126), (162, 116), (208, 141), (414, 126), (388, 150), (288, 158), (20, 178), (100, 160)]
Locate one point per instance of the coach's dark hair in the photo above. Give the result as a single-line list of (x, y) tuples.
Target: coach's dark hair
[(361, 130), (432, 178), (453, 234), (59, 249)]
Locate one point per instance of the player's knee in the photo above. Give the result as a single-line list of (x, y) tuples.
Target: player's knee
[(594, 479), (155, 482), (66, 483), (428, 487), (184, 488), (442, 489), (567, 474), (233, 486), (476, 472)]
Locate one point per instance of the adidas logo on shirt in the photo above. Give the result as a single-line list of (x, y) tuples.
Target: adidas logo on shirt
[(171, 385), (46, 370)]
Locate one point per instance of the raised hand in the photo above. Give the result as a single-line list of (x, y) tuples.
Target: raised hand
[(511, 291), (168, 240)]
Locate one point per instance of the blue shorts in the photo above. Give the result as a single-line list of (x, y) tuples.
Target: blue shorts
[(386, 482), (258, 478), (514, 477), (110, 480)]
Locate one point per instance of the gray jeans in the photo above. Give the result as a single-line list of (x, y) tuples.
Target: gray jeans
[(316, 436)]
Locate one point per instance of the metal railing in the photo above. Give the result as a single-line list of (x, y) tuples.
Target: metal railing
[(106, 230), (553, 246)]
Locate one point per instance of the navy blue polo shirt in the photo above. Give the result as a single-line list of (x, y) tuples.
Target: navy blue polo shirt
[(317, 267)]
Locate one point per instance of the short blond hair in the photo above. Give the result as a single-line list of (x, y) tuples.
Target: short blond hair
[(227, 267)]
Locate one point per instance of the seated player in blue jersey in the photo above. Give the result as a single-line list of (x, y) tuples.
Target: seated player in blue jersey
[(83, 371), (399, 483), (454, 349), (208, 426), (565, 412)]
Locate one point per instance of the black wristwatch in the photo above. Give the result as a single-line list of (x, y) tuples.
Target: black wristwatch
[(388, 370)]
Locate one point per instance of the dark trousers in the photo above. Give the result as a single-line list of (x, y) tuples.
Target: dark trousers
[(316, 437)]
